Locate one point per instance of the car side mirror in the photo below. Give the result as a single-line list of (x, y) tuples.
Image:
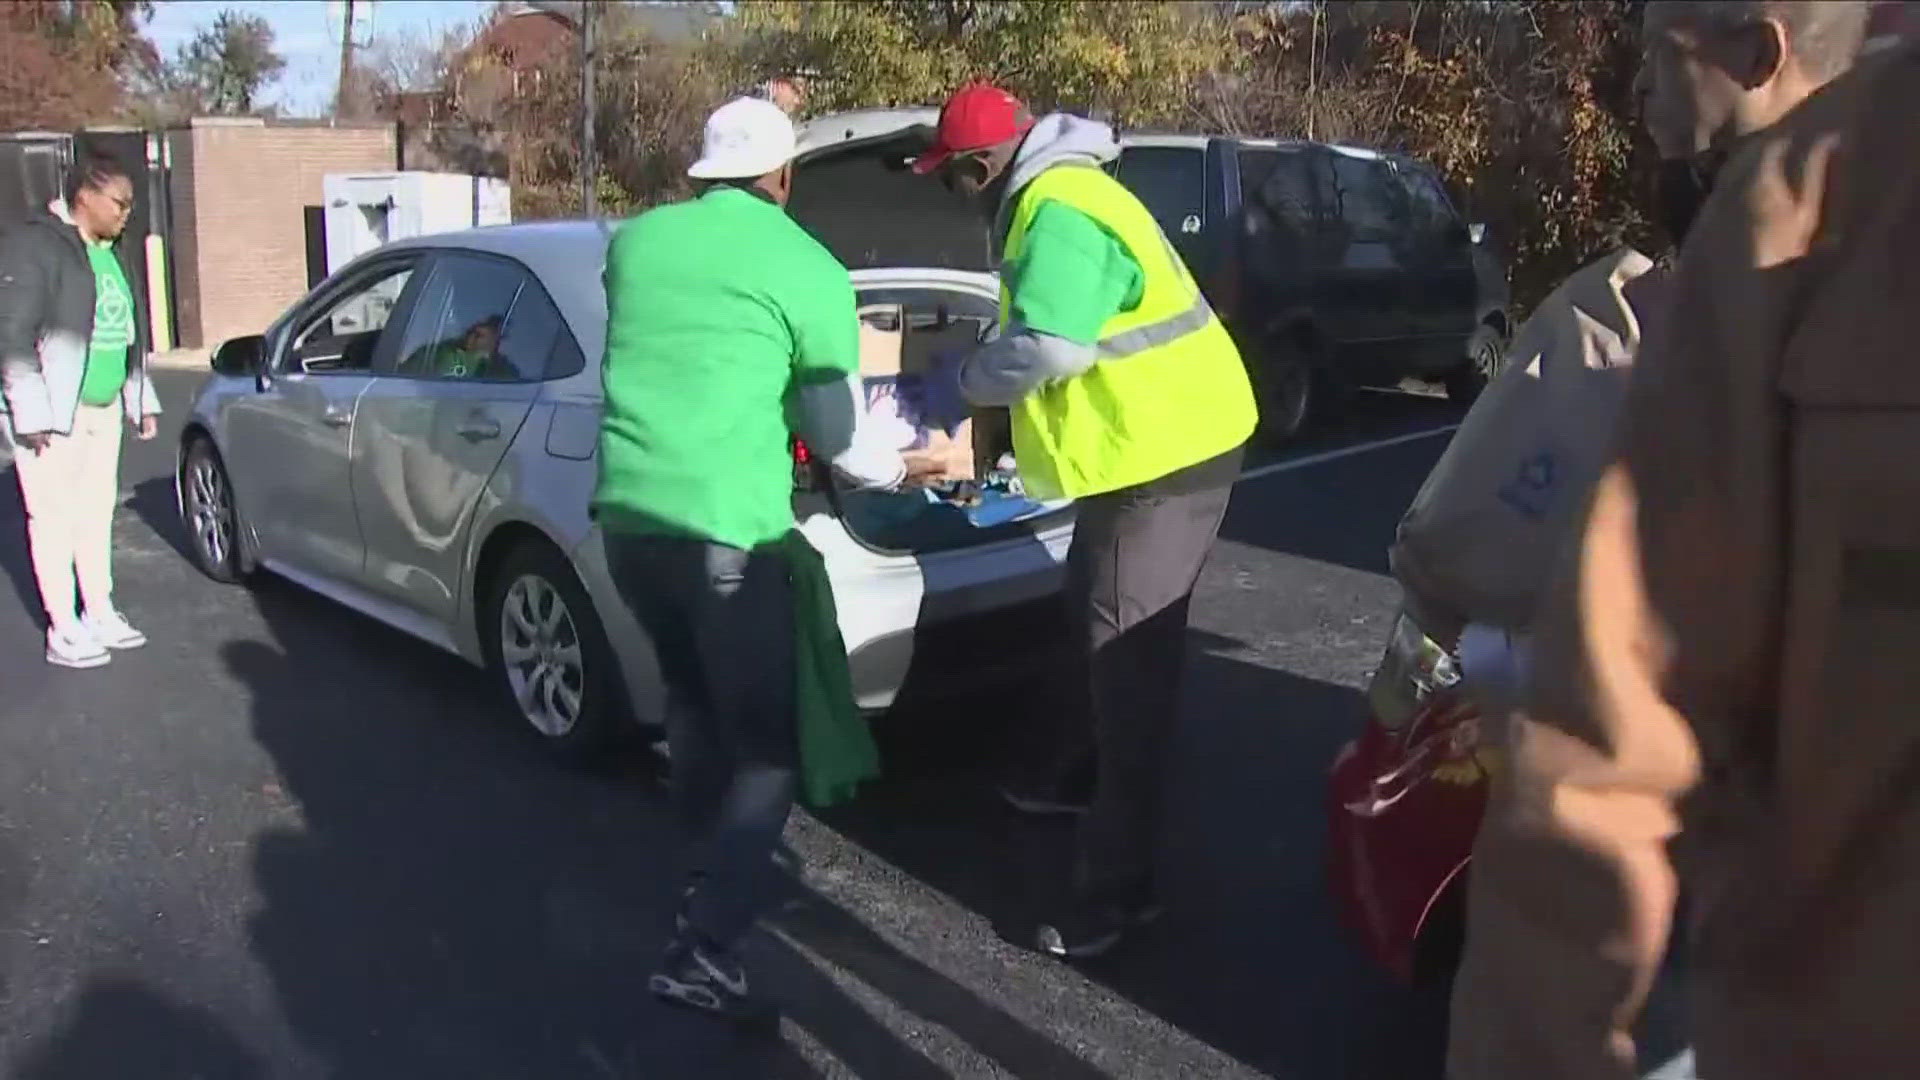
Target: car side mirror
[(240, 356)]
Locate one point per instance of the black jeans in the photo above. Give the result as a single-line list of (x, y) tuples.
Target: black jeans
[(722, 624), (1137, 554)]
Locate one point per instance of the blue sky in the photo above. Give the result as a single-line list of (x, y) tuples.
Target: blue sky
[(306, 38)]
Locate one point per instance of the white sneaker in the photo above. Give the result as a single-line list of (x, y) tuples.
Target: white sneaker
[(75, 647), (112, 631)]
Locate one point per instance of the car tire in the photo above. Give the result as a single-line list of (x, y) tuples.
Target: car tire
[(211, 516), (1486, 355), (548, 654), (1285, 387)]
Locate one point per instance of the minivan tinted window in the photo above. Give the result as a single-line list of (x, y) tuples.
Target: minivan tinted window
[(1171, 181), (1288, 193), (1372, 202)]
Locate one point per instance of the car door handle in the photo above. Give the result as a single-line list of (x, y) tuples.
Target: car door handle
[(336, 418), (480, 430)]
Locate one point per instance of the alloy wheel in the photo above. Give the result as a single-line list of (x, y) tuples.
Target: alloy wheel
[(210, 507), (541, 652)]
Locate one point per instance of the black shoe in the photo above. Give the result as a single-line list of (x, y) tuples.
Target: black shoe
[(708, 980), (1086, 930)]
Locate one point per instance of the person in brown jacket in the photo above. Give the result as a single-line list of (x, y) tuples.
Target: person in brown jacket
[(1725, 694)]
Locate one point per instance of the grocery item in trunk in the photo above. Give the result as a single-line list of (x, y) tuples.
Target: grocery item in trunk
[(896, 405), (1482, 535)]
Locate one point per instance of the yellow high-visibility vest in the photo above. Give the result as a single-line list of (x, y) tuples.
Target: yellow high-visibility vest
[(1168, 390)]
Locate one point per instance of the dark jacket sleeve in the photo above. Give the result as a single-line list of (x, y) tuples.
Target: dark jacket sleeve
[(23, 306)]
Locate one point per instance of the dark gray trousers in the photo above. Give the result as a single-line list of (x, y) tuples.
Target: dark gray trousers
[(722, 624), (1137, 554)]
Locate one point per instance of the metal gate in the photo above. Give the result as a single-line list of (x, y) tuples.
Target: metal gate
[(33, 165), (33, 172)]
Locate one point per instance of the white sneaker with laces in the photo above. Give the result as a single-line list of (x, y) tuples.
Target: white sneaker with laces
[(112, 631), (74, 647)]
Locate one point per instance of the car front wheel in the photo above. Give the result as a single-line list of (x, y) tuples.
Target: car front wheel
[(548, 653), (211, 516)]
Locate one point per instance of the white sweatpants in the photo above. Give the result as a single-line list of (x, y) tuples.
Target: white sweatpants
[(70, 490)]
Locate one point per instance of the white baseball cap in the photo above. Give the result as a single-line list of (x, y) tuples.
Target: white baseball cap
[(746, 137)]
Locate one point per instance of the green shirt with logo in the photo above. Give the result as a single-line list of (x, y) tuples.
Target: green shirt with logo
[(717, 309), (112, 328)]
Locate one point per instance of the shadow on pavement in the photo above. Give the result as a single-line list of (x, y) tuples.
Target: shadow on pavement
[(14, 556), (122, 1028), (1251, 957), (443, 901), (153, 500)]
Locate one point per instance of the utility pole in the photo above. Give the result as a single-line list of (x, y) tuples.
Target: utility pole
[(589, 156), (342, 91)]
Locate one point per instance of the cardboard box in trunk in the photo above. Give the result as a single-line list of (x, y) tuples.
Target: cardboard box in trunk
[(882, 346), (1483, 534)]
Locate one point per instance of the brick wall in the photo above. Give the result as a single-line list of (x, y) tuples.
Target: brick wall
[(241, 187)]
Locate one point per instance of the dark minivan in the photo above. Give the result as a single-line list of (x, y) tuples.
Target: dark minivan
[(1334, 266)]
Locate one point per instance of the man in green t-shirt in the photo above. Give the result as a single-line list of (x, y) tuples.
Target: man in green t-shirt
[(475, 354), (68, 337), (726, 323)]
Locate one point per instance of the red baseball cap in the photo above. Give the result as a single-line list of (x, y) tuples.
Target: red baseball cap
[(975, 117)]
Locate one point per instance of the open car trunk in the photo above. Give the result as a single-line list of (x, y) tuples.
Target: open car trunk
[(922, 264)]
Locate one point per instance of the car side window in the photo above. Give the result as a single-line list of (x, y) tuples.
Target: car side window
[(1288, 194), (342, 334), (1432, 213), (1372, 202), (479, 318), (1172, 182)]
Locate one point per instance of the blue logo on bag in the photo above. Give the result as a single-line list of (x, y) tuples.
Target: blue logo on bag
[(1531, 489)]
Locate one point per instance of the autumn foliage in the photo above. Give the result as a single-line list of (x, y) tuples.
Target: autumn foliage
[(62, 61), (1525, 106)]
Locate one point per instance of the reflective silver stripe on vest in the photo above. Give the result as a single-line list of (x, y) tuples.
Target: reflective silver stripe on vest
[(1153, 335), (1166, 331)]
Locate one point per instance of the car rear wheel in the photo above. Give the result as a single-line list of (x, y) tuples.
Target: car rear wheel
[(1486, 354), (211, 516), (549, 654), (1284, 385)]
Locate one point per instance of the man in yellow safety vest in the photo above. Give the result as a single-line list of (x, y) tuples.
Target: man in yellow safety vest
[(1127, 395)]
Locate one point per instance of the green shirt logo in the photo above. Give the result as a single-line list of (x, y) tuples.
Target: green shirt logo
[(112, 328)]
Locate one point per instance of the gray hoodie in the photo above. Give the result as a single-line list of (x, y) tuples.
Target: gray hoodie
[(1023, 359), (46, 321)]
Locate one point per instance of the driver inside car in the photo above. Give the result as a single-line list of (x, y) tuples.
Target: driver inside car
[(475, 354)]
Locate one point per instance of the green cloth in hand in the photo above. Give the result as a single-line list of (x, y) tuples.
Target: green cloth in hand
[(837, 751)]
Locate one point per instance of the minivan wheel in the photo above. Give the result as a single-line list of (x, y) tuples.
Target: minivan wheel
[(211, 516), (549, 654), (1486, 354), (1283, 385)]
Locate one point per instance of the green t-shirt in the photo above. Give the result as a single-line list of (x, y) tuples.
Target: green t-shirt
[(717, 308), (112, 328), (449, 360), (1073, 274)]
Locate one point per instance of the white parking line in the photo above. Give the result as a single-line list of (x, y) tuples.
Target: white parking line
[(1344, 451)]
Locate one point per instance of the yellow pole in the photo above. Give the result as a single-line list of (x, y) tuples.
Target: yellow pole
[(159, 314)]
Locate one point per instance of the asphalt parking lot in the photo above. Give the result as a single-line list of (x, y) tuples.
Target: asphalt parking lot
[(284, 841)]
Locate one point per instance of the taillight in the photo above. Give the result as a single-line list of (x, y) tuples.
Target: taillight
[(1414, 669), (805, 478)]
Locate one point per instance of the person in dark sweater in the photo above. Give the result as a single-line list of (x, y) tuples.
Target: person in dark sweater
[(71, 370)]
